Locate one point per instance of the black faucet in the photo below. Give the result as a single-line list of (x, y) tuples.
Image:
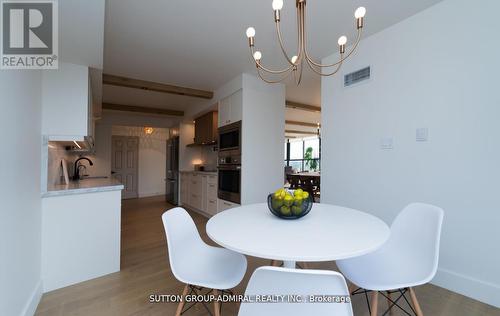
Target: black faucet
[(76, 174)]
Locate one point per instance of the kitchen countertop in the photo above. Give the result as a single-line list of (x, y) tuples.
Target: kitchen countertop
[(201, 172), (84, 186)]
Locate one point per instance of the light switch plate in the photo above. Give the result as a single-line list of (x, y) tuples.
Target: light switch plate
[(422, 134), (386, 143)]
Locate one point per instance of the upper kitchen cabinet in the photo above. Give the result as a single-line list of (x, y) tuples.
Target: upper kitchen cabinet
[(205, 130), (230, 108), (67, 102)]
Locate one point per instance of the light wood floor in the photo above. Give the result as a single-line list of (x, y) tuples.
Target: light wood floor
[(145, 270)]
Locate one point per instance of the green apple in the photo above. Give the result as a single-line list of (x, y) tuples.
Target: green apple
[(288, 200), (298, 192), (285, 210), (297, 201), (276, 203), (296, 210)]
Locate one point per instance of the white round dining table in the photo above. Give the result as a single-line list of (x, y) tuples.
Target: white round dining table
[(327, 233)]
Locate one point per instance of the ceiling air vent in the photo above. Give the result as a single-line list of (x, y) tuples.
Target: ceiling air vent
[(356, 76)]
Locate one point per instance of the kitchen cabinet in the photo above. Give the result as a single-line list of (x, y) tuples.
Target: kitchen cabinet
[(195, 191), (67, 103), (80, 236), (223, 205), (199, 191), (209, 194), (205, 129), (231, 108)]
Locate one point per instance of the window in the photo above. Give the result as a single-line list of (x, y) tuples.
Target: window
[(296, 150), (303, 154)]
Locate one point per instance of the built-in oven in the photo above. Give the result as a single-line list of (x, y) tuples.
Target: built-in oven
[(230, 138), (230, 182), (229, 162)]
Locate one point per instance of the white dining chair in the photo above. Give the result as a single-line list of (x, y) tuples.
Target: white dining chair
[(297, 283), (197, 264), (408, 259)]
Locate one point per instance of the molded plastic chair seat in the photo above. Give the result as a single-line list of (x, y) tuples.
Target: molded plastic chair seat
[(210, 267), (284, 281), (371, 271), (197, 264), (408, 259)]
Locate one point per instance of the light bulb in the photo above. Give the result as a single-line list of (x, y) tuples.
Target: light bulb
[(250, 32), (342, 40), (294, 59), (277, 5), (257, 55), (360, 13)]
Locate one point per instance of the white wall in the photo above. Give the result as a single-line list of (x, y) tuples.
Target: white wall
[(263, 130), (435, 70), (20, 125)]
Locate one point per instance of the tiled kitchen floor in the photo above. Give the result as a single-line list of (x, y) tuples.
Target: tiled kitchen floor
[(145, 270)]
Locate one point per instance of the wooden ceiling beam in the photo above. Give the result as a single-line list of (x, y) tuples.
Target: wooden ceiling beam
[(302, 106), (300, 132), (155, 86), (141, 109), (299, 123)]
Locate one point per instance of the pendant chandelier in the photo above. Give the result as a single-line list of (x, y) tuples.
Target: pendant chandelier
[(295, 63)]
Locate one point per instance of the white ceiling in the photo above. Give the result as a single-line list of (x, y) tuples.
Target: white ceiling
[(81, 35), (202, 44)]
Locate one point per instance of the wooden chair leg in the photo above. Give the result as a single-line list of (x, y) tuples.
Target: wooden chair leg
[(416, 305), (352, 288), (181, 303), (216, 304), (374, 303), (389, 303)]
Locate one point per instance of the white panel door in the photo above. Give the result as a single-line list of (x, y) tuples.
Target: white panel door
[(125, 164)]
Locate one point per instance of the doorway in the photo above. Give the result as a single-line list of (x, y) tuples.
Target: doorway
[(125, 164)]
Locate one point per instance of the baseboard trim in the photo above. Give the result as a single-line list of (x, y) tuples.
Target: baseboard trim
[(150, 194), (482, 291), (35, 297)]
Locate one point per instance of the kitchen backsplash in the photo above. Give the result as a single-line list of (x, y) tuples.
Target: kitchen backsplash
[(209, 157), (56, 153)]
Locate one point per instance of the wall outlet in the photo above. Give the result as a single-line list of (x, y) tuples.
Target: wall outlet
[(386, 143), (422, 134)]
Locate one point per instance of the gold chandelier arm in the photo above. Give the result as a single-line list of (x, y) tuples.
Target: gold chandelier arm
[(270, 81), (311, 61), (282, 46), (299, 40), (311, 65), (299, 79), (259, 65)]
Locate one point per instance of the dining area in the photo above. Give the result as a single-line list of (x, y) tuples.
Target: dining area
[(309, 181), (383, 264)]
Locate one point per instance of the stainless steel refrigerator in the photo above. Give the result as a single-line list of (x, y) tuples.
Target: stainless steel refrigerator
[(172, 182)]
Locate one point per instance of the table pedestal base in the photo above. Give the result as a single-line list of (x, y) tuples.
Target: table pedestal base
[(289, 264)]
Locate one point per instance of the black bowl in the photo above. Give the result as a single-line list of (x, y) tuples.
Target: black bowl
[(296, 211)]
